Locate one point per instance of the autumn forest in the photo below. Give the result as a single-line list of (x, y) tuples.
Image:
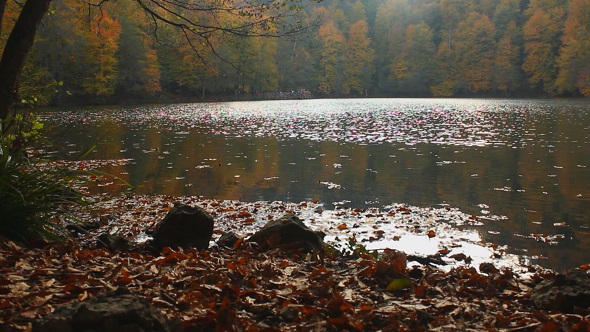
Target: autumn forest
[(377, 48)]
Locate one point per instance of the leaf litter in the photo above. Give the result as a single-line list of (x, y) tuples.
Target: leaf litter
[(245, 289)]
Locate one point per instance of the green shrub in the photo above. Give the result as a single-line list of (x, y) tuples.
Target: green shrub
[(30, 196)]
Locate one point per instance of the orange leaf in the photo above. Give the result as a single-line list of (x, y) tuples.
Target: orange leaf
[(308, 310), (345, 306), (244, 214), (342, 226), (420, 291), (319, 271), (238, 242), (366, 307), (73, 288), (5, 304)]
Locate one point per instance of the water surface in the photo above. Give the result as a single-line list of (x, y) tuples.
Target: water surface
[(520, 166)]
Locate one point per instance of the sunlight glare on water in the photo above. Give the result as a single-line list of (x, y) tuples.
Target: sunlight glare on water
[(519, 166)]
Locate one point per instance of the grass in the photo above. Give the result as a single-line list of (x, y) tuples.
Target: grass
[(30, 196)]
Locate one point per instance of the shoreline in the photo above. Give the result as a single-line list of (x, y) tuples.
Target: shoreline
[(246, 288)]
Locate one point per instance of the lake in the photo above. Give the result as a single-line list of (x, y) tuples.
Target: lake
[(521, 166)]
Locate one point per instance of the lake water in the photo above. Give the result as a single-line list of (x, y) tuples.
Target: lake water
[(521, 166)]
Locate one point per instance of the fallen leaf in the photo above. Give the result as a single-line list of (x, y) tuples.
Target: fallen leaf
[(399, 284), (420, 291)]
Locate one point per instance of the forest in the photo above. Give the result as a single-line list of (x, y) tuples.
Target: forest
[(112, 53)]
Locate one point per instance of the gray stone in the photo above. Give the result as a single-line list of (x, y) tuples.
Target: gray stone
[(108, 312), (287, 232), (564, 292), (184, 227), (113, 242), (228, 240)]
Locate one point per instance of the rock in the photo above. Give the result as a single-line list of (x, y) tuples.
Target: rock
[(184, 227), (83, 228), (488, 268), (113, 242), (288, 313), (564, 292), (287, 232), (108, 312), (228, 240)]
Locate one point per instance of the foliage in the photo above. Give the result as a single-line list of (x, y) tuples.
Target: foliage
[(359, 56), (382, 47), (102, 63), (332, 53), (414, 66), (475, 45), (574, 58), (507, 76), (541, 33), (30, 196), (38, 86)]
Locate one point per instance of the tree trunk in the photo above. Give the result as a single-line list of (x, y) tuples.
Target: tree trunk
[(2, 9), (16, 50)]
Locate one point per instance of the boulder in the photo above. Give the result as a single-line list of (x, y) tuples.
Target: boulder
[(107, 312), (564, 292), (488, 268), (287, 232), (184, 227), (113, 243), (228, 240)]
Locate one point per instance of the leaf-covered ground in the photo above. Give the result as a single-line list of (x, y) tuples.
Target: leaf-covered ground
[(245, 289)]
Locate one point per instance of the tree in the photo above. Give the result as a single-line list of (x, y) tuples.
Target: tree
[(263, 16), (359, 57), (38, 85), (574, 56), (414, 67), (15, 51), (507, 12), (446, 74), (189, 71), (102, 62), (138, 72), (475, 45), (541, 34), (357, 12), (332, 41), (452, 11), (507, 75), (391, 23), (297, 69), (60, 48)]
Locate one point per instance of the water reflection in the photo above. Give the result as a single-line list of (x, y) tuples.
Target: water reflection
[(522, 166)]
